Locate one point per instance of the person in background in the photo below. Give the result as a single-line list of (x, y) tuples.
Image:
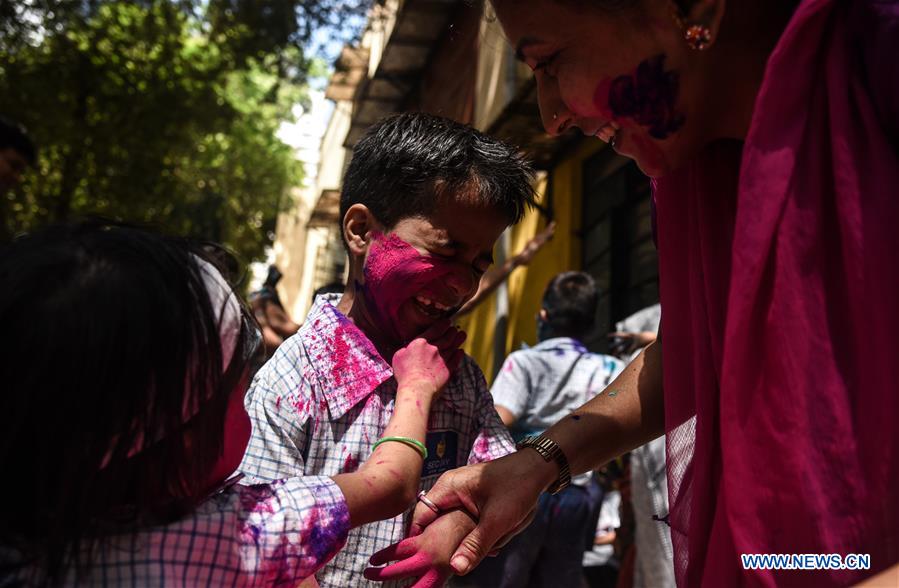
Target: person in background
[(17, 153), (654, 555), (535, 388), (600, 561), (126, 359), (274, 321), (636, 332)]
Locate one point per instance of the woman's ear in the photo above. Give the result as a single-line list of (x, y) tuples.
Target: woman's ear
[(358, 227)]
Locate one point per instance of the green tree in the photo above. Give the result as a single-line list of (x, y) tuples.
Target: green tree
[(158, 111)]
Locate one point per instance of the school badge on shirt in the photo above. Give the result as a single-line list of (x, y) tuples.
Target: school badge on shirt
[(443, 451)]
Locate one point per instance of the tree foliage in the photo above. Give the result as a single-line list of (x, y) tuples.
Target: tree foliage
[(162, 112)]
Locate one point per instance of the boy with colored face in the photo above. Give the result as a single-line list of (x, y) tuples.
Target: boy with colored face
[(423, 203)]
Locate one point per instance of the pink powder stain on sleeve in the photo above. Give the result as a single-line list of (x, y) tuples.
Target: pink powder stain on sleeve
[(278, 403), (482, 449), (510, 365)]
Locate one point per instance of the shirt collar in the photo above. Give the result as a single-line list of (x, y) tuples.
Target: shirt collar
[(563, 343), (344, 359)]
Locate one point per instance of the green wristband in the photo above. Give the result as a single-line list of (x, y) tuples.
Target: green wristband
[(413, 443)]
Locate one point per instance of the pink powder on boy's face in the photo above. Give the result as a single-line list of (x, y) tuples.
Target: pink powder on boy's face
[(395, 272)]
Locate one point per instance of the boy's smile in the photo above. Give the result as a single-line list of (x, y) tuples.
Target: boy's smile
[(425, 269)]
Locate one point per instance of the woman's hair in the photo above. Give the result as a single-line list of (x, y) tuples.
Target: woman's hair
[(114, 387)]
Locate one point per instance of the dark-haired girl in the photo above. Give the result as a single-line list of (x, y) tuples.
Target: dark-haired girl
[(125, 362)]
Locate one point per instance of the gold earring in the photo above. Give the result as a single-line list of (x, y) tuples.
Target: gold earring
[(698, 37)]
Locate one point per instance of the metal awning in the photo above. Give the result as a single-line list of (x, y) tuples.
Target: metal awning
[(349, 71), (419, 25)]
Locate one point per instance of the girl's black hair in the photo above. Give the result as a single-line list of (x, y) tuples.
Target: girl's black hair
[(107, 333)]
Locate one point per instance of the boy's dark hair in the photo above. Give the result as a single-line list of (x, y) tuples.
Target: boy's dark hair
[(14, 136), (406, 162), (570, 302), (108, 332)]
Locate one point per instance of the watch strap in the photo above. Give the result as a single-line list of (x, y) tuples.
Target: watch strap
[(549, 450)]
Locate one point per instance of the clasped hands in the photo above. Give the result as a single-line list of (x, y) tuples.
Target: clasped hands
[(482, 506)]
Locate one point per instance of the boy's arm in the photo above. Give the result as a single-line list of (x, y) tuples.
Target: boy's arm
[(279, 404)]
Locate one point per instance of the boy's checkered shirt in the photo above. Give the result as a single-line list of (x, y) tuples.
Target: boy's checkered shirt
[(265, 535), (324, 399)]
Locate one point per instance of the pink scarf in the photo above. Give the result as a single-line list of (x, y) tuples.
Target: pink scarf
[(780, 289)]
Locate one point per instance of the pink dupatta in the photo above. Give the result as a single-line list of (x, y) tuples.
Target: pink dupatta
[(779, 267)]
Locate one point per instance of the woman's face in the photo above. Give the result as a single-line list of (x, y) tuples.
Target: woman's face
[(621, 72)]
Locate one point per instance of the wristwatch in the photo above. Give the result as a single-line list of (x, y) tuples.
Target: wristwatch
[(549, 450)]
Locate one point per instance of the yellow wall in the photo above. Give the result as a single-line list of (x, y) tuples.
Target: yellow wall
[(480, 325), (526, 284)]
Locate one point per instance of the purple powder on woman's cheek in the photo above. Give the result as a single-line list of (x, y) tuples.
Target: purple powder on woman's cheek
[(648, 97)]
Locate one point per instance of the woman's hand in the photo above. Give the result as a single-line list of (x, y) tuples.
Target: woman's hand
[(501, 494), (425, 557)]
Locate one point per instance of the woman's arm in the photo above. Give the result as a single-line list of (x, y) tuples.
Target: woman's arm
[(627, 414)]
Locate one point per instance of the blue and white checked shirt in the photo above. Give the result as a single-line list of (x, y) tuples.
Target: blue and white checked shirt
[(265, 535), (325, 398), (542, 385)]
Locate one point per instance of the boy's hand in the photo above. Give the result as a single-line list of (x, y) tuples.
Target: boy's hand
[(420, 366), (424, 557), (447, 338)]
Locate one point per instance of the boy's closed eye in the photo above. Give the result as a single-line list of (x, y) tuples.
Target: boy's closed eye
[(450, 252)]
